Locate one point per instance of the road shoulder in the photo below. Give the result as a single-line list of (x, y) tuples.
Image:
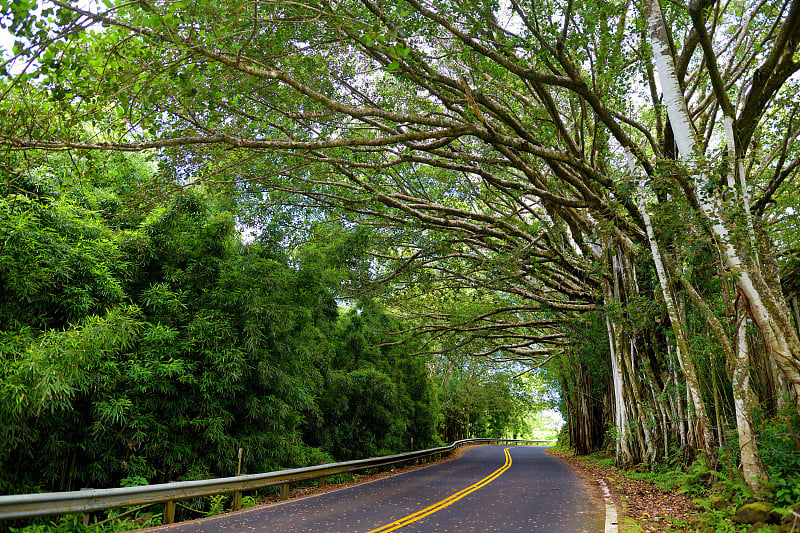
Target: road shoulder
[(640, 505)]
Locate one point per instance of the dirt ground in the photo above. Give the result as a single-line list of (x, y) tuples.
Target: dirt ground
[(652, 508)]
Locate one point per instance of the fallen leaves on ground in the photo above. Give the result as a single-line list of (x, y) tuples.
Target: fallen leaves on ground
[(651, 507)]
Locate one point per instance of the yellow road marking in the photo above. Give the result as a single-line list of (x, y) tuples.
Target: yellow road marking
[(438, 506)]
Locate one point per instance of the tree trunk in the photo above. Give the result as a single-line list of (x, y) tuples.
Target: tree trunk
[(621, 419), (678, 329), (743, 398), (763, 305)]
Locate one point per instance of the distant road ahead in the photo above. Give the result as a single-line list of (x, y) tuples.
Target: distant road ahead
[(487, 488)]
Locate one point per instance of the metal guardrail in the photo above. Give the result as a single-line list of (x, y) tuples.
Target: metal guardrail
[(88, 500)]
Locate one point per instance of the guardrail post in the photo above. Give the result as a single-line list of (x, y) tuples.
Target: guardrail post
[(284, 491), (321, 481), (237, 496), (169, 512)]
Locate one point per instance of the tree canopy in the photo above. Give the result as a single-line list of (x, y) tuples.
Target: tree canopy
[(602, 185)]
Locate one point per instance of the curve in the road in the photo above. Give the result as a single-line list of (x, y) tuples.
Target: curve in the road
[(397, 524), (535, 493)]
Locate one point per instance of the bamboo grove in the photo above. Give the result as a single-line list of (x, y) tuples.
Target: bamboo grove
[(150, 345), (606, 189)]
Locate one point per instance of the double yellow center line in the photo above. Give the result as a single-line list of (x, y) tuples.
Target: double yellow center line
[(438, 506)]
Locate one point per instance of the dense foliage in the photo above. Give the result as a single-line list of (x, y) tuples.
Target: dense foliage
[(605, 187), (151, 347)]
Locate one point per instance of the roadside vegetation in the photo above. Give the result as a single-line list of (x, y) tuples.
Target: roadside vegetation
[(149, 344), (697, 497), (325, 230)]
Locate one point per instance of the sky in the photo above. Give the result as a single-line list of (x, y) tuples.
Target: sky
[(6, 42)]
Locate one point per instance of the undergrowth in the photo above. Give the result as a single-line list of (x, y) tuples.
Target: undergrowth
[(716, 493), (133, 518)]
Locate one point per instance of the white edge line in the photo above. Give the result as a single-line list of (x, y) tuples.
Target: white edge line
[(611, 510)]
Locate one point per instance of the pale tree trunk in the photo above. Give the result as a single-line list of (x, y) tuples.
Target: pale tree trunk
[(782, 341), (635, 442), (660, 405), (743, 398), (621, 419), (620, 400), (678, 327), (639, 404), (621, 414), (737, 168), (637, 437), (681, 413)]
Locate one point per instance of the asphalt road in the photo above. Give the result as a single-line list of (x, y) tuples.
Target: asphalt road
[(487, 488)]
